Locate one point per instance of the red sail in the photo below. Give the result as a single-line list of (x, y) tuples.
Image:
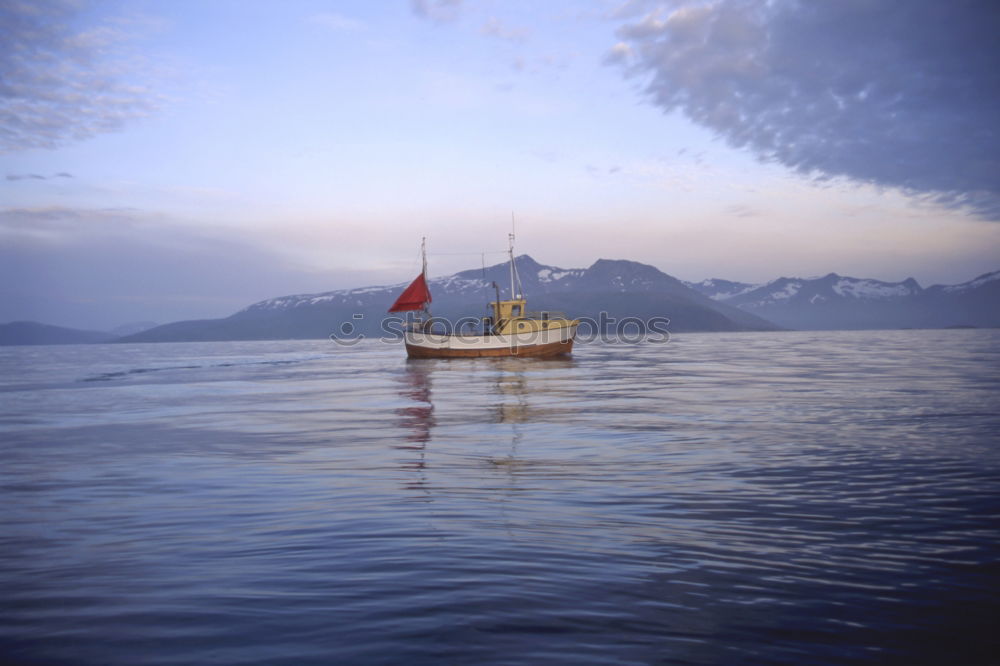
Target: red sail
[(415, 297)]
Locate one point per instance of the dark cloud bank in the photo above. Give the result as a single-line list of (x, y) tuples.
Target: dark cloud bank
[(96, 269), (895, 94)]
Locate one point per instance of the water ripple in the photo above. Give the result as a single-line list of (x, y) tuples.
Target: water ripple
[(785, 498)]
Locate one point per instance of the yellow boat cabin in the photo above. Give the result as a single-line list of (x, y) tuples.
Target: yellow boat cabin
[(513, 317)]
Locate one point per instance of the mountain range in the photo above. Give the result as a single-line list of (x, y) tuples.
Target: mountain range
[(837, 302), (618, 288), (35, 333)]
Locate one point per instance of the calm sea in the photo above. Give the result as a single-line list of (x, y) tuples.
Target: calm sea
[(778, 498)]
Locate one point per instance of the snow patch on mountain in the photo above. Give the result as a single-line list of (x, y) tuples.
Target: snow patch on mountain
[(973, 284), (366, 290), (305, 300), (549, 275), (458, 285), (855, 288), (722, 290), (787, 292)]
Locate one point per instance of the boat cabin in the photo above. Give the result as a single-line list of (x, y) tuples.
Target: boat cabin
[(512, 317)]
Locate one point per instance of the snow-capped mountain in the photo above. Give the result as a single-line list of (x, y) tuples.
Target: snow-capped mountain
[(829, 288), (984, 280), (476, 285), (721, 290), (834, 302), (814, 290), (619, 288)]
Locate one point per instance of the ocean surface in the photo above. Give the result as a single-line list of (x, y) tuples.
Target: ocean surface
[(772, 498)]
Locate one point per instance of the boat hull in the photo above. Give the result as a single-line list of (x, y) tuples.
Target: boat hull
[(540, 344)]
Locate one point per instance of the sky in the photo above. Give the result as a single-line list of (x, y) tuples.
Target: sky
[(165, 160)]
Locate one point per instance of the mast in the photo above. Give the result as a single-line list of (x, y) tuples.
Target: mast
[(510, 251), (417, 295), (423, 255), (423, 271)]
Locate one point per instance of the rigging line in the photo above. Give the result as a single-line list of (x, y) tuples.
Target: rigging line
[(462, 254)]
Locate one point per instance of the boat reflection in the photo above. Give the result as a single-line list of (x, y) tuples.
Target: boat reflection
[(523, 388), (514, 392), (416, 419)]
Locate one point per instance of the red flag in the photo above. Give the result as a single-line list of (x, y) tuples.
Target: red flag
[(414, 297)]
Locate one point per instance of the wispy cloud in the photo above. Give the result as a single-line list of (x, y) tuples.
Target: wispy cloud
[(599, 171), (60, 84), (37, 176), (440, 11), (494, 27), (893, 94), (740, 210)]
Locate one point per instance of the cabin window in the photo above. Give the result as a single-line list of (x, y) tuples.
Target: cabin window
[(520, 325), (515, 311)]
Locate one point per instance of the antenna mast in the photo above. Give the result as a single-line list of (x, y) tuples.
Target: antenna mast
[(514, 277), (423, 270), (510, 251)]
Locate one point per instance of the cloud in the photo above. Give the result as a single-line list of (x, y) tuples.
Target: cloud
[(619, 54), (439, 11), (97, 268), (598, 171), (60, 84), (36, 176), (494, 27), (895, 94), (739, 210)]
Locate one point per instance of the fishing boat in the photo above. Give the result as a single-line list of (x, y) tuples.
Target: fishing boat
[(510, 330)]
